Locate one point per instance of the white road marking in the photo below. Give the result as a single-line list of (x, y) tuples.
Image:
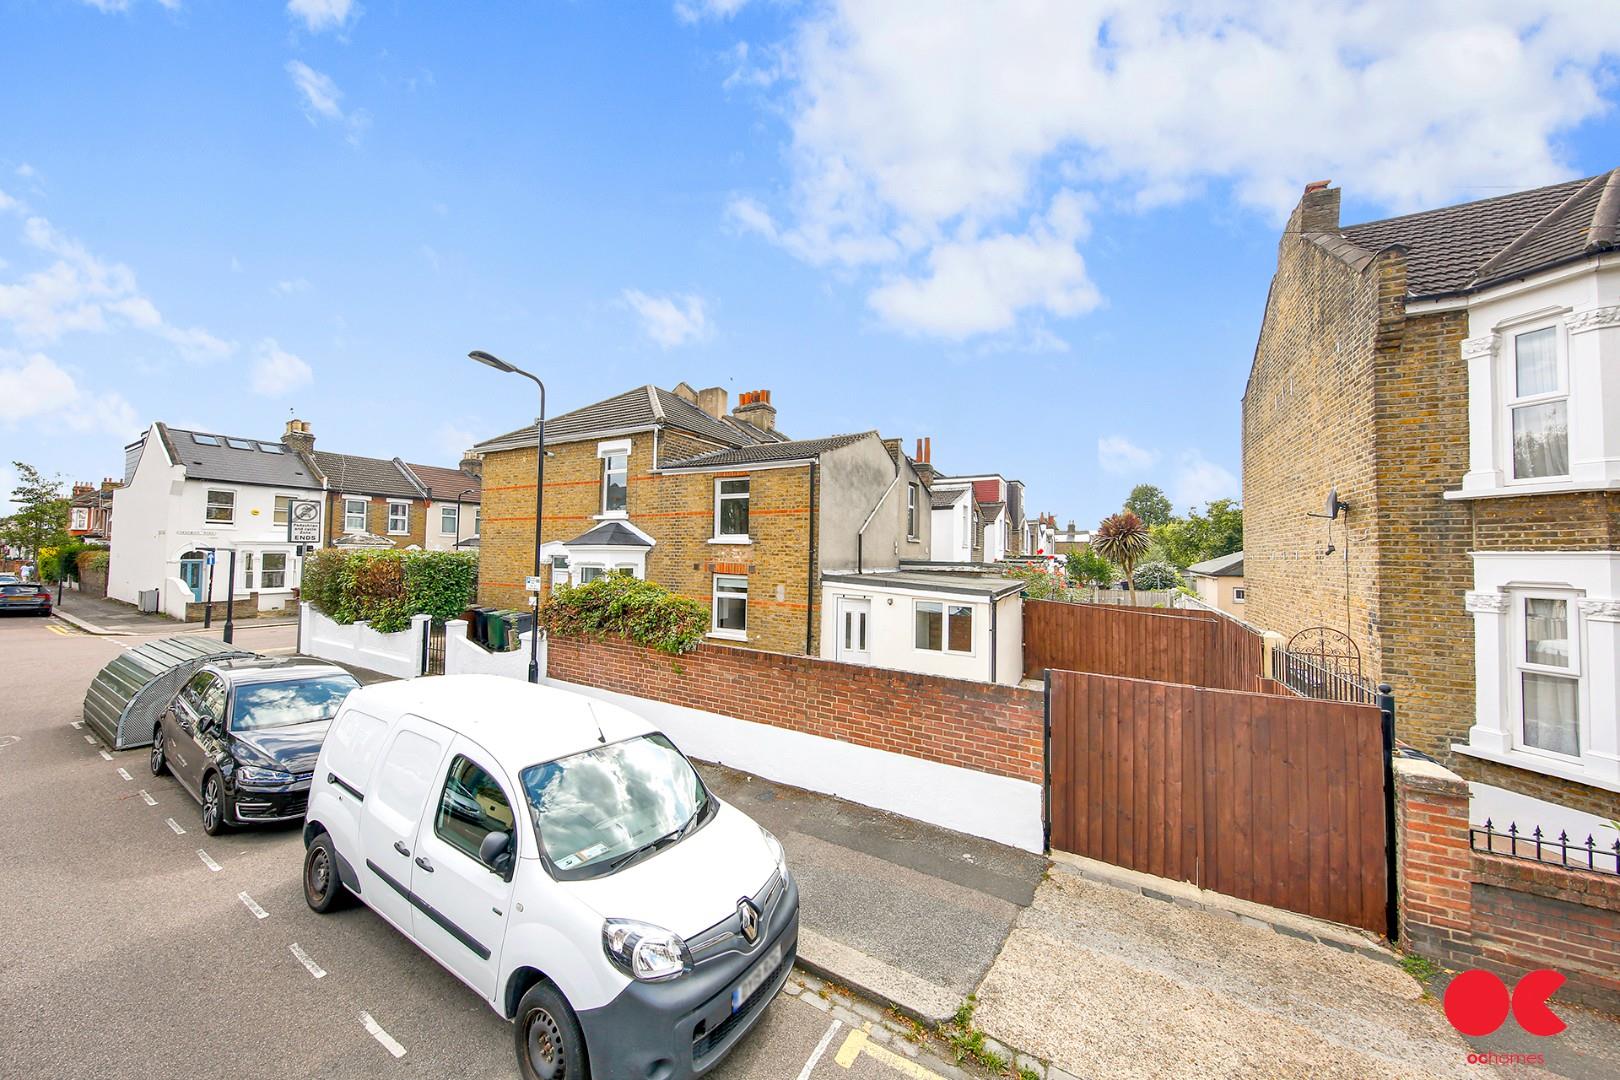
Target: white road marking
[(77, 724), (303, 958), (208, 862), (125, 774), (91, 739), (175, 825), (252, 905), (390, 1043), (105, 756), (821, 1048), (146, 797)]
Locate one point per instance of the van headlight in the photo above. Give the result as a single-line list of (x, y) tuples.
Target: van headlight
[(646, 952)]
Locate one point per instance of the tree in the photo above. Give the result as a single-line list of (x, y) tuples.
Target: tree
[(1150, 504), (1156, 575), (1122, 538), (41, 517), (1090, 568), (1218, 531)]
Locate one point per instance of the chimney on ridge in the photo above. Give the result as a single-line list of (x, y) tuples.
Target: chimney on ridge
[(299, 436), (1318, 209), (472, 464), (713, 401), (754, 407)]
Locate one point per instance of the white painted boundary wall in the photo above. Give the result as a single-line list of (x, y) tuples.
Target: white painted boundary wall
[(462, 657), (994, 807), (399, 655)]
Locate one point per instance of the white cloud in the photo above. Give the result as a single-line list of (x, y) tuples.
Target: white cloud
[(36, 388), (322, 100), (670, 320), (277, 372), (319, 15), (916, 139), (1199, 480), (1117, 454), (290, 286), (691, 11), (82, 292)]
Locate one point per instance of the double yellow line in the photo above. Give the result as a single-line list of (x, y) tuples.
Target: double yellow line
[(859, 1042)]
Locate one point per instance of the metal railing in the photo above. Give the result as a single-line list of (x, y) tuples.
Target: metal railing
[(1536, 846), (1307, 677)]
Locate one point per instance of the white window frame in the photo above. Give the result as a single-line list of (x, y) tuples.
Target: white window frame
[(1520, 665), (365, 513), (247, 571), (478, 517), (1238, 593), (455, 520), (209, 504), (1511, 399), (605, 452), (401, 505), (717, 590), (944, 607), (720, 498), (283, 510), (265, 571), (912, 526)]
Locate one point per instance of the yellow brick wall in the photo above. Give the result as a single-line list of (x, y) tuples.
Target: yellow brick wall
[(377, 519), (677, 510)]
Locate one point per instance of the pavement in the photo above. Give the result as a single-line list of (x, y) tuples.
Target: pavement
[(99, 615)]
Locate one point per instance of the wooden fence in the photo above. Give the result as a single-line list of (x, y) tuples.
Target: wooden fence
[(1274, 799), (1195, 647)]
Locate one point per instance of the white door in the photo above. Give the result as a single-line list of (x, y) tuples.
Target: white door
[(854, 629), (396, 798), (462, 904)]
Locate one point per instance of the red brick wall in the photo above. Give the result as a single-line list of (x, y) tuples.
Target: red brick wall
[(981, 726), (1469, 909)]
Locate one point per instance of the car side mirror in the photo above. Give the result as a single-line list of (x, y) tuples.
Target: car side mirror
[(495, 852)]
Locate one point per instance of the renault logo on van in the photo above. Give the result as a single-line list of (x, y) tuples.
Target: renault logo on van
[(750, 920)]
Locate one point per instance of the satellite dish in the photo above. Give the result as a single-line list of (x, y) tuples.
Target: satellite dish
[(1333, 503)]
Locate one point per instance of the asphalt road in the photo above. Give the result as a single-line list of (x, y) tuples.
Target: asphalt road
[(134, 944)]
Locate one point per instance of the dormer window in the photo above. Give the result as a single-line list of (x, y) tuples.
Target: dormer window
[(1539, 407)]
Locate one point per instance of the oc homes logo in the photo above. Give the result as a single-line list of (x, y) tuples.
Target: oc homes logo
[(1478, 1003)]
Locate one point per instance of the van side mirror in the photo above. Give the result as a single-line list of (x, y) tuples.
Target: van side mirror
[(495, 852)]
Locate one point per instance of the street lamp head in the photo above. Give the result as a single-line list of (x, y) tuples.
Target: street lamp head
[(492, 361)]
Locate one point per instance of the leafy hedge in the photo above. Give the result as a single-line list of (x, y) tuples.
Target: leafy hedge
[(619, 604), (1041, 583), (92, 561), (385, 588)]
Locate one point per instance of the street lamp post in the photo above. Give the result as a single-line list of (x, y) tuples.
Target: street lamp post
[(464, 492), (539, 492)]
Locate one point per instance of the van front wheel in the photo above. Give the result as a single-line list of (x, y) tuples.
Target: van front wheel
[(323, 892), (550, 1045)]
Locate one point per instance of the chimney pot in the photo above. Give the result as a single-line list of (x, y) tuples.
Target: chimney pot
[(754, 407), (298, 436)]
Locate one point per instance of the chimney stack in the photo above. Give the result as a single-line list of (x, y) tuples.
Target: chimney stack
[(82, 489), (1318, 209), (298, 436), (754, 407), (472, 464), (107, 485), (712, 401)]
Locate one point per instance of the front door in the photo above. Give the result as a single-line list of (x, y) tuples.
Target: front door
[(397, 797), (854, 629), (461, 904), (191, 572)]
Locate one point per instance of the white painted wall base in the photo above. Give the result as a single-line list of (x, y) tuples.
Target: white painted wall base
[(399, 655), (994, 807), (1503, 807), (462, 657)]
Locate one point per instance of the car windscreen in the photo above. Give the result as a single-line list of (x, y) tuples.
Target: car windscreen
[(599, 810), (21, 589), (289, 701)]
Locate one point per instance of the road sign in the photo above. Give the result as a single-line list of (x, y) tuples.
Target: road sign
[(304, 522), (209, 558), (531, 583)]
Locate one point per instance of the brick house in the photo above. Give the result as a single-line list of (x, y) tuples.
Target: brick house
[(717, 505), (1452, 375), (369, 502), (90, 511), (453, 503)]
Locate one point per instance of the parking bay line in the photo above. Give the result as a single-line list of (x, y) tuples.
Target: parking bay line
[(821, 1048), (105, 756), (76, 724), (389, 1043), (91, 739), (125, 774), (175, 825), (859, 1043), (208, 862), (252, 905), (304, 958), (146, 797)]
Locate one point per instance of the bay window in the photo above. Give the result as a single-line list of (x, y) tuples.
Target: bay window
[(1548, 675), (273, 570)]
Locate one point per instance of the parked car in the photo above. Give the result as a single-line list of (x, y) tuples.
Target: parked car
[(565, 861), (9, 579), (25, 596), (242, 736)]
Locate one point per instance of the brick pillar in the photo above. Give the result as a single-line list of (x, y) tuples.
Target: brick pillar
[(1434, 861)]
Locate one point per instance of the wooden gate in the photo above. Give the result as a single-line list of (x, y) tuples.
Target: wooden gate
[(1275, 799)]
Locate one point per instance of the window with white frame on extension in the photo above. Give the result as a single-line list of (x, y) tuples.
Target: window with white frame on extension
[(399, 518), (731, 508), (1539, 407), (615, 482), (354, 515), (1549, 674), (730, 614), (943, 627), (273, 570), (447, 520), (221, 508)]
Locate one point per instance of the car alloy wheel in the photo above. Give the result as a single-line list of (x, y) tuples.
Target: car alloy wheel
[(213, 806), (545, 1045), (157, 752)]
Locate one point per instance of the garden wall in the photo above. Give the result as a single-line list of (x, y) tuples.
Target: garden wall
[(357, 644), (464, 657)]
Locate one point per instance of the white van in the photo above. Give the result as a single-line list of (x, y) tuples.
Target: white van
[(564, 860)]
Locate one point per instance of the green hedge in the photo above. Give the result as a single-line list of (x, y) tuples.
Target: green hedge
[(628, 607), (385, 588)]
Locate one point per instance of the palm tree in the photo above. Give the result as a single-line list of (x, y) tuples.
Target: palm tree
[(1122, 539)]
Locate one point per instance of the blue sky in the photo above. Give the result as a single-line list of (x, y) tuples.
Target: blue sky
[(1040, 233)]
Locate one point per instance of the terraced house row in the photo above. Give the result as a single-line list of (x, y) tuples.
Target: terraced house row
[(822, 546)]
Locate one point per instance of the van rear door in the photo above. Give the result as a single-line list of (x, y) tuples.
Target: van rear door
[(393, 810)]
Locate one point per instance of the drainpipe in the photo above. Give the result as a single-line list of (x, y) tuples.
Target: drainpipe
[(995, 602), (810, 568)]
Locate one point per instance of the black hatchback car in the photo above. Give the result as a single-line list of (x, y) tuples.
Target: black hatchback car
[(243, 735), (29, 596)]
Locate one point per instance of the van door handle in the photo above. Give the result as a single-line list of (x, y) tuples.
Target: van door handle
[(421, 860), (402, 849)]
